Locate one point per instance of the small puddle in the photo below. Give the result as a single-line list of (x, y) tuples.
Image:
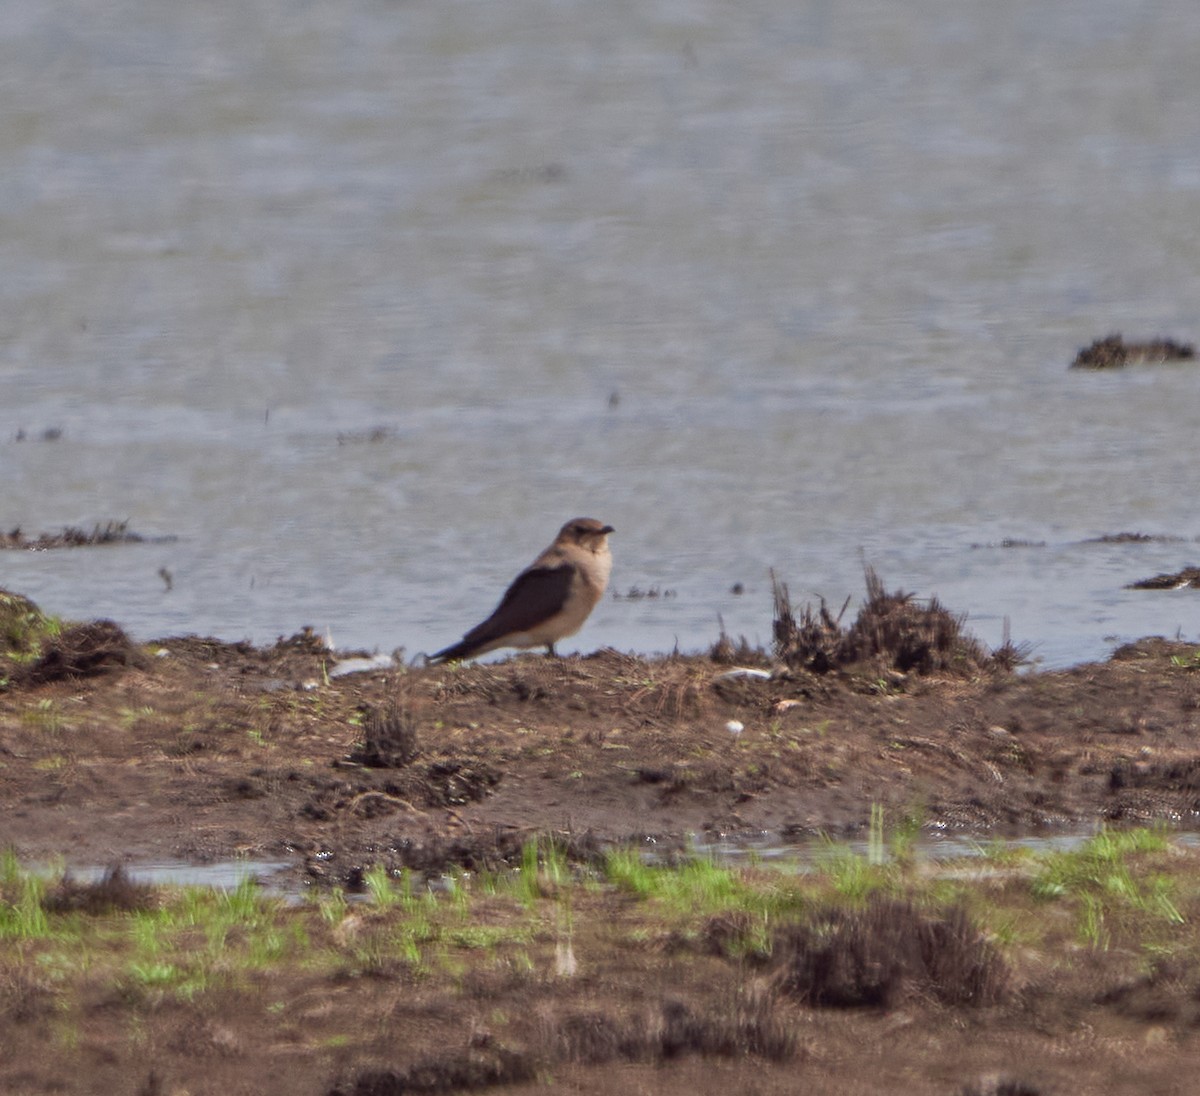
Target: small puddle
[(220, 875), (808, 854)]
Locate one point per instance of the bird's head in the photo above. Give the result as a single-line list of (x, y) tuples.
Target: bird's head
[(586, 532)]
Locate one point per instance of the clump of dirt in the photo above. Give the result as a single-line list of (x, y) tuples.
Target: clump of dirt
[(82, 650), (893, 631), (484, 1066), (749, 1026), (1000, 1086), (1176, 580), (442, 783), (888, 951), (1168, 993), (1113, 352)]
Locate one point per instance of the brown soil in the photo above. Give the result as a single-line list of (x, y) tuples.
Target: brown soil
[(197, 749)]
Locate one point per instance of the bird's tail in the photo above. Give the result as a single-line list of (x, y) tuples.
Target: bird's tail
[(456, 651)]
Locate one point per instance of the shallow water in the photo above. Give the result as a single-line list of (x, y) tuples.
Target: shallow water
[(278, 877), (360, 300), (807, 854), (220, 875)]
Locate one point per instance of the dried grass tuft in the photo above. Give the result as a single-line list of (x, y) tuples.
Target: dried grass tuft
[(82, 650), (740, 652), (878, 956), (389, 739), (893, 631)]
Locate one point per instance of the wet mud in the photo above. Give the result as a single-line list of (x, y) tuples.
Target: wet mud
[(191, 748)]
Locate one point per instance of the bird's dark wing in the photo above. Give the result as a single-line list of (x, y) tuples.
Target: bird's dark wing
[(535, 595)]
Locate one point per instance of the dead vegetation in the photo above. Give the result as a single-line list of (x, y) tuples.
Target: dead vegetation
[(82, 650), (389, 736), (1010, 542), (636, 593), (740, 652), (111, 893), (893, 632), (110, 532), (1133, 538), (879, 956), (35, 648), (1175, 580), (1113, 352)]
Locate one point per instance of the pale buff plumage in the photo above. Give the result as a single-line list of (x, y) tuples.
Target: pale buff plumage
[(550, 599)]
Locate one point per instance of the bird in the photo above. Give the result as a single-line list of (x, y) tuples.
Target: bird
[(549, 600)]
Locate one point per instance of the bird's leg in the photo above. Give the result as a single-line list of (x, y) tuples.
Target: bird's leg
[(550, 651)]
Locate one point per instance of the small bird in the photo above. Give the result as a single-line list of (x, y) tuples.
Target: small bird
[(550, 599)]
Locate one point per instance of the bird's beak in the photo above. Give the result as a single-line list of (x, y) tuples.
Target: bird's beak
[(608, 529)]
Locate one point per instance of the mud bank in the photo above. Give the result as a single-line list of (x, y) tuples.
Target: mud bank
[(193, 749)]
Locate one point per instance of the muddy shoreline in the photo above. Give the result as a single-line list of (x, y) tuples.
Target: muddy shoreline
[(197, 750)]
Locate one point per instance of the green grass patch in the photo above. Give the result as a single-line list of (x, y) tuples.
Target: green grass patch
[(1114, 880), (23, 628), (1136, 892)]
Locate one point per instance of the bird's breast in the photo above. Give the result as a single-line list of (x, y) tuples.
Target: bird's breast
[(594, 572)]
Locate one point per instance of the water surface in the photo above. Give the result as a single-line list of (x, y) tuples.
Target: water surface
[(360, 300)]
